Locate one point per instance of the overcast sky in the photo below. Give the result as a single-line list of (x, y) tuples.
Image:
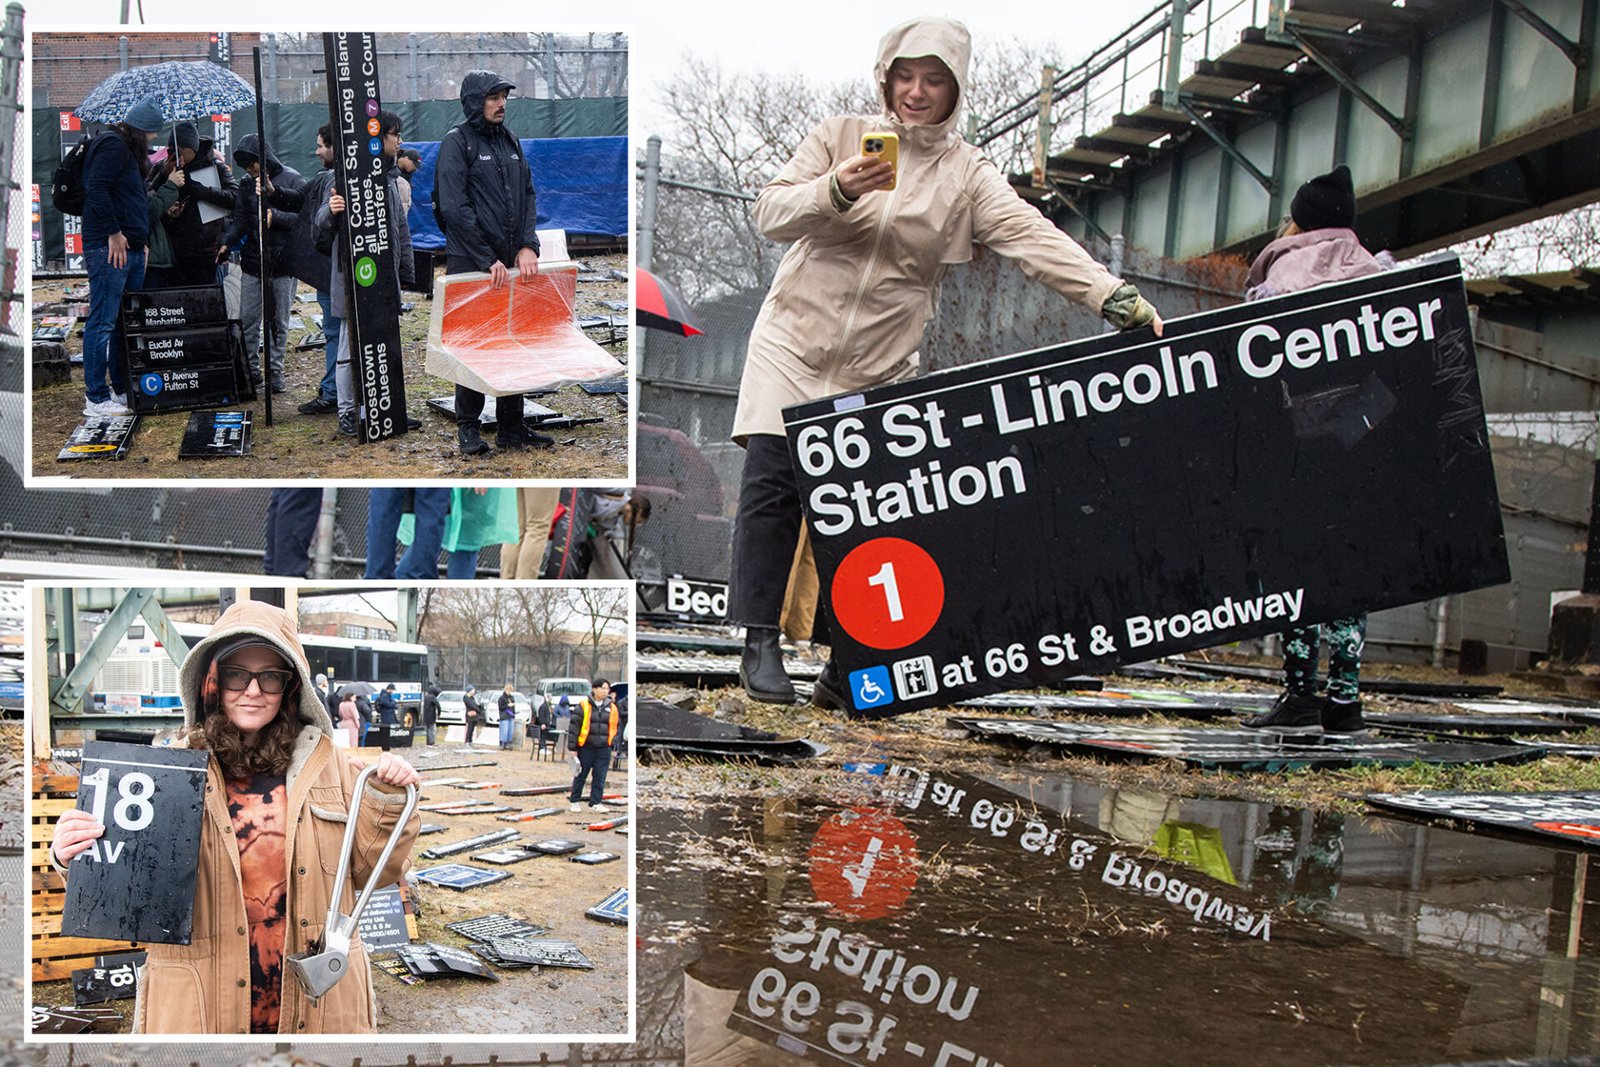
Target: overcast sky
[(831, 40)]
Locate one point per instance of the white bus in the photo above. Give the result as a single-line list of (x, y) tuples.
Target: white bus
[(140, 669)]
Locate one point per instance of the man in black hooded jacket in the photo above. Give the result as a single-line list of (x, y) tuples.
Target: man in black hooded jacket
[(280, 241), (485, 193)]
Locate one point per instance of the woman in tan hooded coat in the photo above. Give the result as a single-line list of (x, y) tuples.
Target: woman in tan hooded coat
[(276, 805), (854, 294)]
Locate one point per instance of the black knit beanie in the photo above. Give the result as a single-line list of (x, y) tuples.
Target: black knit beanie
[(1326, 201)]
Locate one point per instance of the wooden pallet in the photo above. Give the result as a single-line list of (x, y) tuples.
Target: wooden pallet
[(55, 957)]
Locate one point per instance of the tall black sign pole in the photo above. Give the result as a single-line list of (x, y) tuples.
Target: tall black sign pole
[(267, 315), (372, 292)]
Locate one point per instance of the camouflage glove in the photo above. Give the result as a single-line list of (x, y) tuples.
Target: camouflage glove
[(1126, 309)]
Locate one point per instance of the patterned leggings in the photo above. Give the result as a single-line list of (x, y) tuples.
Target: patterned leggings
[(1346, 638)]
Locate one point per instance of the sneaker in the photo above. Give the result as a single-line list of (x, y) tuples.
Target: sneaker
[(575, 807), (1290, 714), (1342, 717), (320, 405), (348, 426), (119, 398), (279, 386), (104, 409), (600, 808), (413, 425)]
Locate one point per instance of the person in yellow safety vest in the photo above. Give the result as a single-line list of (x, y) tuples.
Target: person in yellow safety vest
[(594, 725)]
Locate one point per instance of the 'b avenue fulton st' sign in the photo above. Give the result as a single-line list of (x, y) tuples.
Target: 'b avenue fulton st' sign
[(1107, 501)]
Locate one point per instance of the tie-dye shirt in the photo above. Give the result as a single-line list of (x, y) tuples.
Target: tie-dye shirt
[(257, 807)]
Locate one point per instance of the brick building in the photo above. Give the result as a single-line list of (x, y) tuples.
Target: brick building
[(66, 66)]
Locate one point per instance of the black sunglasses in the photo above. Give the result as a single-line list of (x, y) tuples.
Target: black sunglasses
[(237, 679)]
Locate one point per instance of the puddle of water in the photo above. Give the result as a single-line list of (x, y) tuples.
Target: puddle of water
[(942, 919)]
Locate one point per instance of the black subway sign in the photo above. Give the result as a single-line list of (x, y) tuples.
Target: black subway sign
[(369, 264), (1021, 519), (136, 882)]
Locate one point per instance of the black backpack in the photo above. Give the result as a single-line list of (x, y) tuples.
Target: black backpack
[(66, 185)]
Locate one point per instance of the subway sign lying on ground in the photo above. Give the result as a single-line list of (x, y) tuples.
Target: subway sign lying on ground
[(1019, 520)]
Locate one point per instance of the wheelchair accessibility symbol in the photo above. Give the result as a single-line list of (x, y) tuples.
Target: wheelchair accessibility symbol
[(870, 688), (150, 384)]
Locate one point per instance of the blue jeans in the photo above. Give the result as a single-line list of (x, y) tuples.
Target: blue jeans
[(102, 334), (292, 516), (421, 560), (330, 329), (508, 729), (462, 563)]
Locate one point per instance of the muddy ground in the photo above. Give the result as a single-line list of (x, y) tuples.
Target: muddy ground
[(550, 891), (309, 446), (924, 738)]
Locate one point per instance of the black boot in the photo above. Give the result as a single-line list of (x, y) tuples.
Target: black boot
[(828, 692), (1290, 714), (510, 436), (472, 444), (1342, 717), (761, 670)]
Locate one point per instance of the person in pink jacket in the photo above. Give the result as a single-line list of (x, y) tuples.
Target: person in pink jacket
[(1315, 246), (854, 294)]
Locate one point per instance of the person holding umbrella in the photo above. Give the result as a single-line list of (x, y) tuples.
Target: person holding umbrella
[(279, 238), (854, 294), (116, 229)]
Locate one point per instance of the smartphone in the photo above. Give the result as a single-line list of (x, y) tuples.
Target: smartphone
[(885, 145)]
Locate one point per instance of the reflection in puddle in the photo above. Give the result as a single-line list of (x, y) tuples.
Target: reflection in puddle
[(942, 919)]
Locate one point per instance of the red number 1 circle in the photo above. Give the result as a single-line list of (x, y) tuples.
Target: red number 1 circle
[(888, 593)]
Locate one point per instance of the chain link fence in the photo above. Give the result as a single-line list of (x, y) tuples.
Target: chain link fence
[(221, 530), (568, 85), (412, 66), (17, 224), (523, 665)]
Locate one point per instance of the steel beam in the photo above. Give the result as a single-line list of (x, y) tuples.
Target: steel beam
[(135, 603), (1571, 49), (1071, 205), (1228, 148), (1399, 125)]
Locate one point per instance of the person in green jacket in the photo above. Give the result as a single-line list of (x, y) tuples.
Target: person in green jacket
[(161, 265), (477, 517)]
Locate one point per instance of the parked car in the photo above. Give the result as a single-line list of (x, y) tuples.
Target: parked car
[(453, 709), (556, 688)]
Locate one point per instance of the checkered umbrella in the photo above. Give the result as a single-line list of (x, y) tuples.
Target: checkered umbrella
[(187, 90)]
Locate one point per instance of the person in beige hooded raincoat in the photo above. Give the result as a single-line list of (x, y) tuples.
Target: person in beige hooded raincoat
[(276, 805), (853, 296)]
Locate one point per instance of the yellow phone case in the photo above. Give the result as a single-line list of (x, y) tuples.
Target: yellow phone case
[(885, 145)]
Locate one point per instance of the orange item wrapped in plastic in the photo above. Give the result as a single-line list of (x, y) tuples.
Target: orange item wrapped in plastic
[(517, 338)]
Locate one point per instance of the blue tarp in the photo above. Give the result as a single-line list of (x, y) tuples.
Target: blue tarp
[(581, 184)]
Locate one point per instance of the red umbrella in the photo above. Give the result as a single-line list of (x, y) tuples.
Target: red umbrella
[(661, 307)]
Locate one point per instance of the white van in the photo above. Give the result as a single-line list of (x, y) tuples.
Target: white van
[(556, 688)]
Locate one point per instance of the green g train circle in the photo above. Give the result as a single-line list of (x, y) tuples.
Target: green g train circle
[(366, 270)]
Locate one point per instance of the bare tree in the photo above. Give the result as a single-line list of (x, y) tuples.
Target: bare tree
[(602, 610), (1557, 242), (736, 131)]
